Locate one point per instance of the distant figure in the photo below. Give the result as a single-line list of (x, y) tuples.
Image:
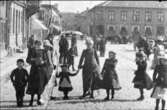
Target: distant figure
[(63, 49), (71, 56), (160, 80), (141, 79), (74, 44), (135, 37), (19, 78), (159, 50), (72, 52), (110, 77), (143, 43), (65, 83), (30, 42), (102, 47)]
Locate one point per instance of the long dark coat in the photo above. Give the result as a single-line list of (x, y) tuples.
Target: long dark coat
[(160, 75), (90, 68), (38, 77), (110, 77), (141, 79), (64, 45)]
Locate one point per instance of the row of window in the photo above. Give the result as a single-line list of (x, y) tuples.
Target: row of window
[(17, 23), (160, 30), (135, 17)]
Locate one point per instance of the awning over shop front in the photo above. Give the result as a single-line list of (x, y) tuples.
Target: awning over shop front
[(38, 25), (56, 27)]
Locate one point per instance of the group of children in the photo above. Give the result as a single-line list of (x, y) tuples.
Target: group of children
[(143, 81), (19, 78)]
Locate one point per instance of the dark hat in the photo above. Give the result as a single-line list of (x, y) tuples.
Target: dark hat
[(141, 49), (112, 52), (20, 60), (64, 65), (140, 55)]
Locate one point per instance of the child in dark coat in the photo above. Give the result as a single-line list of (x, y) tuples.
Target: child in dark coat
[(160, 80), (141, 79), (19, 78), (65, 82), (110, 77)]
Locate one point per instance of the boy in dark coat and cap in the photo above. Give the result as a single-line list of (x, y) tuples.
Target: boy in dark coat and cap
[(19, 78)]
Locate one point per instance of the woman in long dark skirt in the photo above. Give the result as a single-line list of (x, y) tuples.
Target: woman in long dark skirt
[(90, 68), (141, 80), (110, 77), (38, 77)]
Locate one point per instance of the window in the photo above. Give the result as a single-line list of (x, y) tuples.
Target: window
[(148, 16), (136, 16), (110, 28), (161, 17), (111, 15), (99, 15), (123, 15), (13, 20)]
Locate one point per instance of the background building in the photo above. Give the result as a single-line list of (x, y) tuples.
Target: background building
[(149, 17), (14, 24), (3, 20), (69, 21)]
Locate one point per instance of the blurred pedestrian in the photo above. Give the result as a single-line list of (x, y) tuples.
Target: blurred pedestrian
[(102, 47), (159, 50), (63, 49), (89, 61), (143, 43), (38, 77), (71, 56), (30, 42), (49, 49), (160, 80), (141, 79), (72, 52), (110, 77), (19, 78), (65, 82), (135, 37), (50, 64), (74, 44)]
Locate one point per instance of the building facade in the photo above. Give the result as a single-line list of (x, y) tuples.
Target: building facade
[(17, 25), (2, 25), (51, 18), (149, 17)]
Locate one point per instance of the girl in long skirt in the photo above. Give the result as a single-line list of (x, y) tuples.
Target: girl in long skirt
[(160, 79), (38, 73), (90, 68), (141, 79), (65, 82), (110, 77)]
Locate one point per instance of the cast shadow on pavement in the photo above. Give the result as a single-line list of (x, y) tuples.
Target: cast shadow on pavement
[(14, 101), (76, 100), (14, 106)]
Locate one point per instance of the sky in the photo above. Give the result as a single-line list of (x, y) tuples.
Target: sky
[(74, 6)]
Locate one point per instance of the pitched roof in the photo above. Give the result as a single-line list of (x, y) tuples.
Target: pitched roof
[(138, 4)]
